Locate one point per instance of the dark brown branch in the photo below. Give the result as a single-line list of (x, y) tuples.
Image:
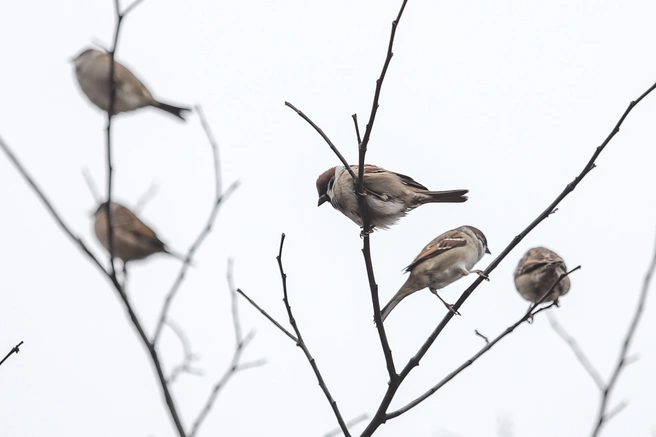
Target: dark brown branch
[(325, 137), (577, 350), (265, 314), (487, 341), (350, 423), (110, 113), (374, 107), (380, 415), (527, 316), (357, 129), (603, 416), (300, 343), (235, 364), (51, 209), (219, 197), (14, 350)]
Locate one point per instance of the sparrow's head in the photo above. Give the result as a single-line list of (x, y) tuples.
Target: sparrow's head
[(478, 235), (85, 56), (325, 185)]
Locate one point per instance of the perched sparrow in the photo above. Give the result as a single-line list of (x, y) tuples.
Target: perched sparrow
[(444, 260), (389, 195), (92, 68), (133, 240), (537, 272)]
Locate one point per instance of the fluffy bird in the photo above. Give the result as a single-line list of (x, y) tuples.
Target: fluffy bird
[(389, 195), (537, 272), (444, 260), (92, 69), (132, 239)]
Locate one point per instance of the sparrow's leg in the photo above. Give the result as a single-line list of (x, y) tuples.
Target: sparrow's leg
[(364, 232), (447, 305), (465, 272), (481, 273)]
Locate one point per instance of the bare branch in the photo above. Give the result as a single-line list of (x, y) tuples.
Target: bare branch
[(265, 314), (357, 129), (146, 197), (529, 314), (325, 137), (482, 336), (235, 364), (350, 423), (603, 416), (578, 352), (379, 417), (14, 350), (204, 232), (304, 347), (93, 188), (188, 358)]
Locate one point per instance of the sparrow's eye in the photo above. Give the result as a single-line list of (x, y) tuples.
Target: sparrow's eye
[(331, 182)]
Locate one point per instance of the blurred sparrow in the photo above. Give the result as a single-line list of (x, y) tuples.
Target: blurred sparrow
[(537, 272), (133, 240), (92, 68), (389, 195), (444, 260)]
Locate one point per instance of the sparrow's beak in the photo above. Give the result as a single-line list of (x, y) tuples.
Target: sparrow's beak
[(322, 199), (488, 251)]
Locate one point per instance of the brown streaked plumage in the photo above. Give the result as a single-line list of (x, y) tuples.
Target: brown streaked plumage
[(92, 69), (133, 240), (444, 260), (537, 272), (389, 195)]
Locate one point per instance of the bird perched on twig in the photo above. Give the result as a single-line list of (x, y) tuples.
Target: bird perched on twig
[(537, 272), (389, 195), (132, 239), (444, 260), (92, 68)]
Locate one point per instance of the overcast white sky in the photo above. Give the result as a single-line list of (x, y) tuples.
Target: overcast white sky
[(508, 99)]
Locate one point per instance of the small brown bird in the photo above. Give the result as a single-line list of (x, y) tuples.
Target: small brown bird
[(92, 69), (537, 272), (389, 195), (133, 240), (444, 260)]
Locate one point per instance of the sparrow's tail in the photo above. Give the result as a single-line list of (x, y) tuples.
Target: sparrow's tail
[(449, 196), (405, 291), (175, 110)]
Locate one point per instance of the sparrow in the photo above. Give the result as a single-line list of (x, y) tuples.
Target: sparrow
[(92, 69), (389, 195), (444, 260), (537, 272), (133, 240)]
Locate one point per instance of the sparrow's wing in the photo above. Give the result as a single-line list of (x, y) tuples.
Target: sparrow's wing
[(385, 184), (129, 223), (537, 258), (128, 82), (441, 244)]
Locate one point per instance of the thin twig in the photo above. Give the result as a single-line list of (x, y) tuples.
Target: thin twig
[(235, 364), (379, 417), (146, 197), (357, 129), (487, 341), (14, 350), (265, 314), (188, 356), (350, 423), (93, 188), (304, 347), (219, 197), (325, 137), (603, 416), (528, 315), (577, 350)]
